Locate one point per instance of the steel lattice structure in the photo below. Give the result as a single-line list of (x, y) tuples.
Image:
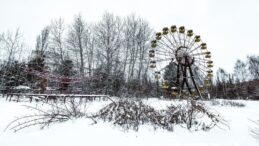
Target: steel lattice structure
[(188, 54)]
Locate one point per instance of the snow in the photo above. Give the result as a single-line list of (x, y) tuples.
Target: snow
[(22, 87), (82, 132)]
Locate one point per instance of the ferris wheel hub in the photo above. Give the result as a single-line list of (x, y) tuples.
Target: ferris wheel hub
[(183, 56)]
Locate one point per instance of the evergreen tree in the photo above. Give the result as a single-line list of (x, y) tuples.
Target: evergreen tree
[(66, 70), (170, 76)]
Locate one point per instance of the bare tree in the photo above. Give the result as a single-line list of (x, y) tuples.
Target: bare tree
[(143, 42), (108, 34), (221, 81), (12, 45), (90, 49), (136, 34), (240, 71), (76, 35), (42, 42), (131, 31), (253, 65), (57, 42)]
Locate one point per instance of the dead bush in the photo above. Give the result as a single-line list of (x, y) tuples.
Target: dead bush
[(54, 113), (126, 113), (130, 114)]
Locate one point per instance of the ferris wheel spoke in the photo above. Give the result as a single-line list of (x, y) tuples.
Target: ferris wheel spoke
[(174, 42), (200, 59), (178, 34), (163, 57), (198, 47), (191, 44), (164, 50), (166, 45), (161, 54), (187, 50), (170, 42), (199, 64), (166, 59), (184, 37), (204, 54), (200, 71), (203, 64), (198, 54), (177, 43), (190, 41), (158, 67)]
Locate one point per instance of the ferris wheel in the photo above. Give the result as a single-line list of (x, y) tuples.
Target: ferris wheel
[(181, 62)]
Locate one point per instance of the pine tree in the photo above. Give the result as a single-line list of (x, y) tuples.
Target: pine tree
[(66, 72)]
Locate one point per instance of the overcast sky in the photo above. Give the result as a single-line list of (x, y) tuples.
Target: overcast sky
[(230, 27)]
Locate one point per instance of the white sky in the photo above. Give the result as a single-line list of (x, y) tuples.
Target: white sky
[(230, 27)]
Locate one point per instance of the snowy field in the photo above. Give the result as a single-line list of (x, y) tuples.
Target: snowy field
[(82, 132)]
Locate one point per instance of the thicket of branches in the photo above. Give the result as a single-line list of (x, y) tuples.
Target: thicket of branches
[(127, 114), (130, 114)]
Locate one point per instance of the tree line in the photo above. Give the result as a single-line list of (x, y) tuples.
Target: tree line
[(114, 49), (243, 83)]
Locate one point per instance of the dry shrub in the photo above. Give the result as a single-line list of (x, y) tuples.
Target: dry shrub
[(55, 113), (126, 113), (130, 114), (194, 116)]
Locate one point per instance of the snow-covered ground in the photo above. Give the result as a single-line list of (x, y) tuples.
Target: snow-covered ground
[(81, 132)]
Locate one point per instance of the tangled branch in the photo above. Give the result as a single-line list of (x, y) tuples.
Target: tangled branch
[(131, 114), (58, 112), (125, 113)]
